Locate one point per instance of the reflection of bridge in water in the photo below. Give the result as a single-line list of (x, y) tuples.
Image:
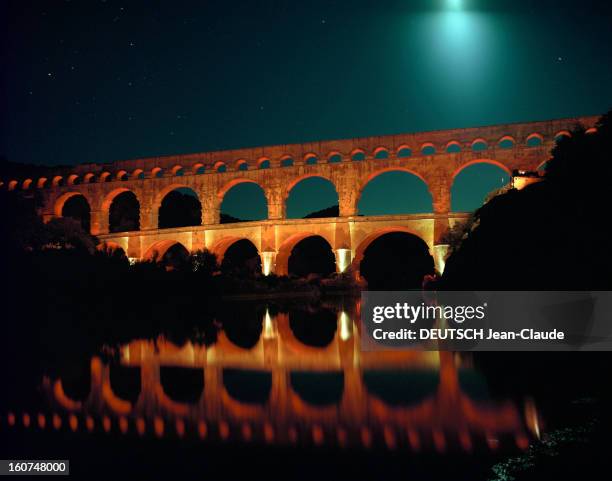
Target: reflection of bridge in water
[(284, 391)]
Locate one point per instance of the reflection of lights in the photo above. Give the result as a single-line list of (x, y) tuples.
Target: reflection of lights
[(440, 252), (268, 262), (343, 259), (268, 329), (345, 326), (532, 418)]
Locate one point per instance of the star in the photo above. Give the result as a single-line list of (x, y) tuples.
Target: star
[(560, 59), (323, 21)]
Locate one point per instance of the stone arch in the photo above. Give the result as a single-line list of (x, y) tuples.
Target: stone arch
[(534, 139), (471, 163), (221, 246), (242, 164), (453, 146), (427, 148), (121, 175), (381, 153), (378, 173), (285, 249), (479, 144), (301, 178), (157, 250), (263, 163), (88, 178), (311, 158), (156, 172), (41, 182), (403, 151), (562, 133), (592, 130), (220, 166), (506, 142), (334, 157), (161, 195), (197, 168), (59, 203), (105, 176), (358, 155), (176, 170), (57, 181), (73, 179), (108, 201), (286, 161), (83, 214), (26, 184), (12, 184), (225, 189), (371, 237)]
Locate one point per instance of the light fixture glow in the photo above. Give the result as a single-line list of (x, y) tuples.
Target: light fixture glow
[(456, 4)]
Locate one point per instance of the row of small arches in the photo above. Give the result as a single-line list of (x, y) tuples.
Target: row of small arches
[(404, 151)]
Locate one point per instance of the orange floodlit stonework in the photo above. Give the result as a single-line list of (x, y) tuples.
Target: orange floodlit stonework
[(434, 157)]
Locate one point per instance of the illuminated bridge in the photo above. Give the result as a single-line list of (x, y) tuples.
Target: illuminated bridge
[(435, 158)]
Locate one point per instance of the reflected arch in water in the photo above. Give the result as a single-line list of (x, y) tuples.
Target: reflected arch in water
[(242, 324), (313, 329), (125, 382), (182, 384), (397, 387), (248, 386), (318, 388)]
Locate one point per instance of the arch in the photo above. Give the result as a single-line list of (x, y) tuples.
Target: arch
[(248, 386), (358, 155), (251, 205), (453, 147), (178, 205), (41, 183), (311, 159), (318, 388), (238, 256), (182, 384), (220, 166), (57, 181), (105, 176), (177, 170), (286, 161), (428, 148), (506, 142), (470, 196), (334, 157), (157, 172), (198, 168), (286, 248), (534, 140), (381, 153), (592, 130), (393, 259), (263, 163), (394, 193), (73, 179), (123, 210), (74, 205), (242, 164), (479, 144), (12, 184), (88, 178), (401, 387), (26, 184), (403, 151), (300, 203), (158, 250), (121, 175), (312, 329), (562, 133)]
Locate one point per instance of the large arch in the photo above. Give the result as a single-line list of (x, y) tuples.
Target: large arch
[(161, 250), (110, 197), (74, 205), (394, 191), (311, 195), (473, 181), (124, 212), (286, 249), (238, 256), (178, 206), (360, 251), (242, 199)]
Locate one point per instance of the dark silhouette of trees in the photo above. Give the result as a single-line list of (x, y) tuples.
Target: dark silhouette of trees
[(77, 208), (549, 235), (332, 211)]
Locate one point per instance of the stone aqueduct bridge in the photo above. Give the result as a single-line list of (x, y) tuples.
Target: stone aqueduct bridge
[(435, 157)]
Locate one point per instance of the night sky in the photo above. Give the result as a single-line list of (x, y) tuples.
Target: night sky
[(96, 81)]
